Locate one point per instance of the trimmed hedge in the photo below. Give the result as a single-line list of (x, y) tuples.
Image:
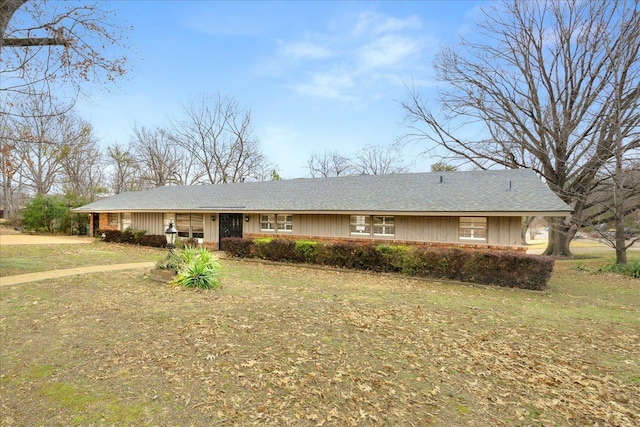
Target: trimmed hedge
[(238, 247), (133, 237), (507, 269)]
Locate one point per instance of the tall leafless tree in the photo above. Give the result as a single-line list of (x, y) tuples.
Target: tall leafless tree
[(13, 188), (46, 45), (162, 162), (82, 163), (543, 81), (218, 134), (328, 164), (42, 142), (379, 160), (124, 169)]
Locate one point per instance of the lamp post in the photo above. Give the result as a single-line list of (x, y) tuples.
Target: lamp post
[(171, 236)]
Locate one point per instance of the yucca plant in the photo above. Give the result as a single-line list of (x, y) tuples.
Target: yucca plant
[(200, 269)]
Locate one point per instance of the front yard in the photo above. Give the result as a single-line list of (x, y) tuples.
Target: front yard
[(289, 345)]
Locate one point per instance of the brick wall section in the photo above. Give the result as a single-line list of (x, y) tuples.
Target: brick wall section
[(104, 223), (473, 246), (212, 246)]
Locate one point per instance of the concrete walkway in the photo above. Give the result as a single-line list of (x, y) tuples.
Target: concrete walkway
[(53, 274), (12, 238)]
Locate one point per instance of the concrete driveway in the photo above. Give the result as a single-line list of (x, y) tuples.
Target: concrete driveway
[(28, 239)]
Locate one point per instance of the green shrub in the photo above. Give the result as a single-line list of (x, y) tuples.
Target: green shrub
[(354, 255), (45, 213), (198, 269), (396, 259), (260, 246), (172, 262), (631, 269), (306, 251), (427, 262)]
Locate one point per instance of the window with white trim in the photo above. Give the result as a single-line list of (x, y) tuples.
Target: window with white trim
[(360, 225), (113, 219), (276, 222), (473, 228), (384, 226), (372, 226), (285, 222)]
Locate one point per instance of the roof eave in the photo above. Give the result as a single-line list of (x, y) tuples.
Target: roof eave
[(552, 213)]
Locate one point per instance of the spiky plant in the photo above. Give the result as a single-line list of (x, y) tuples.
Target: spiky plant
[(200, 269)]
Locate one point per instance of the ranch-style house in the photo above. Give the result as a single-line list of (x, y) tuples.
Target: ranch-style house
[(479, 209)]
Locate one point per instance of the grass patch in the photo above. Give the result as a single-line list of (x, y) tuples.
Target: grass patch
[(290, 345), (21, 259)]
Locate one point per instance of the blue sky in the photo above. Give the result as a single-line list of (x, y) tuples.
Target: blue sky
[(317, 76)]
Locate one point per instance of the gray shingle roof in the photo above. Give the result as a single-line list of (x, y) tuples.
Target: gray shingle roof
[(508, 191)]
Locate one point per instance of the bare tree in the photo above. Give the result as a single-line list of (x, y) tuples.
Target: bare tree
[(12, 185), (379, 160), (45, 45), (125, 171), (543, 83), (329, 163), (616, 197), (218, 135), (161, 162), (41, 143), (82, 163)]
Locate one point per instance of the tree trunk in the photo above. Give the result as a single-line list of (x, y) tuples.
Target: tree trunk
[(560, 235), (621, 250)]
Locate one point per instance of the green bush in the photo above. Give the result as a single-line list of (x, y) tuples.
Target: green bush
[(45, 214), (392, 258), (261, 247), (172, 262), (198, 269), (306, 251), (631, 269)]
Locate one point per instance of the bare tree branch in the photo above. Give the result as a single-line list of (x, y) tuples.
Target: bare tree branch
[(554, 84)]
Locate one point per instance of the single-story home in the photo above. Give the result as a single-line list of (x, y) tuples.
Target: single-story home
[(464, 208)]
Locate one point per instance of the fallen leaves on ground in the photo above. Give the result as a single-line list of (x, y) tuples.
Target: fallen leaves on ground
[(293, 346)]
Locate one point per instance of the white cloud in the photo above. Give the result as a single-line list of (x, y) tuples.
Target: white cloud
[(305, 50), (332, 85), (376, 23), (352, 61), (387, 51)]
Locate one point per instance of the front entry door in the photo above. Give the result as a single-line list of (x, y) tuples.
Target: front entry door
[(230, 226), (96, 224)]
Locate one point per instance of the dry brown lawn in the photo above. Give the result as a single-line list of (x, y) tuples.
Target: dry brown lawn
[(289, 345)]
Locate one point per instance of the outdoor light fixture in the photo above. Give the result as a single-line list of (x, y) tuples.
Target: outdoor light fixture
[(171, 236), (213, 218), (246, 218)]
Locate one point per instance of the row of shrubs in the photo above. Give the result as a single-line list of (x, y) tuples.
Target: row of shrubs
[(137, 237), (508, 269)]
